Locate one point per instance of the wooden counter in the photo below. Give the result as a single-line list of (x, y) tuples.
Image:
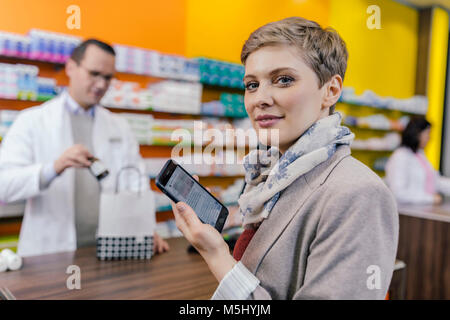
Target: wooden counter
[(176, 274), (424, 245)]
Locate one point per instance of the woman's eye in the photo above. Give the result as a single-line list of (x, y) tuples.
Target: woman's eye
[(251, 86), (284, 80)]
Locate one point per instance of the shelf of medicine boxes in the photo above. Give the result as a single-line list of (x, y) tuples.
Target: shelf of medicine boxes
[(392, 111), (17, 104), (209, 93), (58, 66), (23, 60), (55, 70), (146, 150)]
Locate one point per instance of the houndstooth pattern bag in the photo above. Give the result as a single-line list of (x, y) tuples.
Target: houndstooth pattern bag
[(121, 248), (126, 231)]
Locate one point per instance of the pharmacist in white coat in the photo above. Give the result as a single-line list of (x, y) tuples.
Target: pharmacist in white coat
[(45, 156), (409, 174)]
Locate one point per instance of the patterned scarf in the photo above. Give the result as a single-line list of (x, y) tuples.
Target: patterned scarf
[(266, 177)]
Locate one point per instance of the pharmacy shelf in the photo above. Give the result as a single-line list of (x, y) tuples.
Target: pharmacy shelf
[(161, 151), (149, 151), (168, 77), (16, 104), (58, 66), (156, 114), (172, 144), (163, 213), (372, 128), (163, 114), (24, 60), (208, 86), (353, 104), (10, 226), (12, 210), (158, 77)]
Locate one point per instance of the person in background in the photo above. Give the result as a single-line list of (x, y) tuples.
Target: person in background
[(409, 174), (46, 153), (318, 223)]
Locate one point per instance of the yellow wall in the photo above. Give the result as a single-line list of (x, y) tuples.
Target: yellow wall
[(218, 29), (436, 82), (382, 60)]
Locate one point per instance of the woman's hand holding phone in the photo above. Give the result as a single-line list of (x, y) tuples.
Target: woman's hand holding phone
[(205, 238)]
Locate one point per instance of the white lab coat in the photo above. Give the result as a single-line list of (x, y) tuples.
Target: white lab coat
[(39, 136), (406, 177)]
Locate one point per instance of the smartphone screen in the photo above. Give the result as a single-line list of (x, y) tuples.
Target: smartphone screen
[(181, 186)]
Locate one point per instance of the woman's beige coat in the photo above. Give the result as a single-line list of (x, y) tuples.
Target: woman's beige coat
[(332, 235)]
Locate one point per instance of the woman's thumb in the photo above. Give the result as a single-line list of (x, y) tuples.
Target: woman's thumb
[(181, 207), (187, 213)]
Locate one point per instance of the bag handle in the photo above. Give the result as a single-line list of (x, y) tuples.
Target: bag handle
[(126, 168)]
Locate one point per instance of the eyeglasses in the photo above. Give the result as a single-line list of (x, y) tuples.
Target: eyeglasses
[(97, 75)]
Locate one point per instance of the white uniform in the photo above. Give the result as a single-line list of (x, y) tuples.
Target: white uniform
[(406, 176), (38, 137)]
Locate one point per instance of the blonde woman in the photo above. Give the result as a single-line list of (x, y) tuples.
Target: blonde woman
[(318, 223)]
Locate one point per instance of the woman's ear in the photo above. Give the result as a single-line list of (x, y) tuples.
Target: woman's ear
[(332, 92)]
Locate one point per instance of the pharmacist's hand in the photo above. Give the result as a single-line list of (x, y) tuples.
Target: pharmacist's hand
[(205, 238), (76, 156), (159, 245), (437, 198)]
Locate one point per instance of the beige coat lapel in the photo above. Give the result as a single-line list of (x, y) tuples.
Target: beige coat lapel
[(290, 203)]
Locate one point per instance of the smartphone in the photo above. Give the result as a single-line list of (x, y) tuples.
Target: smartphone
[(179, 185)]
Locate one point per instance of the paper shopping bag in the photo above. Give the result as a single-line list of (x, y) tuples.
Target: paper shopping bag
[(126, 224)]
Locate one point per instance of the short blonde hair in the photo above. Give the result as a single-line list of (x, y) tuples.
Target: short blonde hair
[(323, 50)]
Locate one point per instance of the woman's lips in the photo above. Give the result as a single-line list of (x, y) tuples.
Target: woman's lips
[(266, 122)]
